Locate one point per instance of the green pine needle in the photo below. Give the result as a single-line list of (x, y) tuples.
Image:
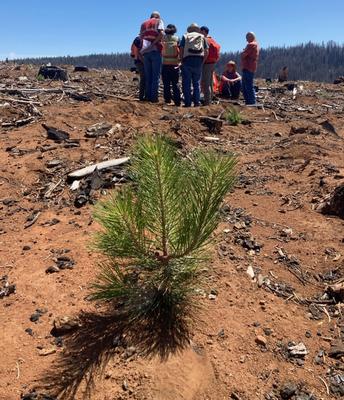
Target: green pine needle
[(155, 231)]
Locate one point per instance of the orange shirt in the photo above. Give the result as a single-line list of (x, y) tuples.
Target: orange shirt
[(249, 57)]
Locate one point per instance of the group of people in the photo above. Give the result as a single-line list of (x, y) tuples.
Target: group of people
[(158, 52)]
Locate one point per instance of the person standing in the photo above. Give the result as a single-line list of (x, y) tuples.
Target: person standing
[(151, 34), (170, 65), (194, 51), (138, 61), (249, 63), (209, 66)]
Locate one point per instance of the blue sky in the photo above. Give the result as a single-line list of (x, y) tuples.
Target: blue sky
[(76, 27)]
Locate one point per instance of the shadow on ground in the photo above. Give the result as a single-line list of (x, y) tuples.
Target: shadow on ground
[(88, 350)]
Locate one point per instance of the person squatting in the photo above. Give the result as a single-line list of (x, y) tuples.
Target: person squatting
[(159, 52)]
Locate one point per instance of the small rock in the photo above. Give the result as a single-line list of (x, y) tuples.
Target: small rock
[(26, 248), (260, 280), (336, 350), (125, 385), (29, 331), (212, 296), (319, 358), (268, 331), (53, 163), (52, 269), (250, 272), (288, 391), (47, 351), (52, 222), (64, 325), (99, 129), (261, 340), (36, 316), (300, 362), (221, 333), (308, 334), (298, 350)]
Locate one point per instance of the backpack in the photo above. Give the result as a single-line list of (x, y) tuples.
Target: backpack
[(194, 44), (214, 51), (135, 48), (170, 50), (149, 29)]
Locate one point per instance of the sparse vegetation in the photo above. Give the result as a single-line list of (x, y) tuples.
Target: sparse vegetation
[(155, 231), (302, 61), (233, 116)]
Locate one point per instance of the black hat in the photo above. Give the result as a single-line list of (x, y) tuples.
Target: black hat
[(205, 29), (170, 29)]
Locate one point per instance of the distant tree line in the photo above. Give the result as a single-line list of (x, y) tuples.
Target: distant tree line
[(310, 61)]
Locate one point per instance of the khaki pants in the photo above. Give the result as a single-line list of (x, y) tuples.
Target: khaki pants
[(207, 83)]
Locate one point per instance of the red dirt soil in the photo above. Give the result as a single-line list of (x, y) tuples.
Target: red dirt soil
[(282, 176)]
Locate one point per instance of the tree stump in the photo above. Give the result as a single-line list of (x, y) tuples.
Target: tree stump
[(54, 73), (335, 204), (214, 125)]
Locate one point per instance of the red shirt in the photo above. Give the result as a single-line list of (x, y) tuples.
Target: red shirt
[(249, 57)]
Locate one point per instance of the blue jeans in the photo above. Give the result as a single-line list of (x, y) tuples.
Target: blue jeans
[(231, 91), (247, 87), (170, 77), (152, 65), (191, 75)]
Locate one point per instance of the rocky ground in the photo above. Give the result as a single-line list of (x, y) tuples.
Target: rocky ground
[(271, 324)]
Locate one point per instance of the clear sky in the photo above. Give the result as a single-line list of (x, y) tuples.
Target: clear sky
[(78, 27)]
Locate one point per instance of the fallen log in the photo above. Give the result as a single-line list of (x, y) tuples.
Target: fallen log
[(20, 101), (18, 123), (80, 173)]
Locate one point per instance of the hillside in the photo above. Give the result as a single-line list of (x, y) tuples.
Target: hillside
[(270, 324), (312, 62)]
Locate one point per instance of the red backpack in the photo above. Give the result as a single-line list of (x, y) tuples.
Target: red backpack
[(149, 29), (214, 51)]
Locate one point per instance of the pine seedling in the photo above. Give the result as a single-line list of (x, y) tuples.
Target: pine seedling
[(233, 117), (156, 230)]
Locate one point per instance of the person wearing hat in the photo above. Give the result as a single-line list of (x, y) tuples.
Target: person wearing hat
[(230, 82), (194, 51), (151, 33), (249, 62), (209, 66), (170, 65)]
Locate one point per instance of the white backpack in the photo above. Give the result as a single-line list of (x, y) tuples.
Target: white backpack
[(194, 44)]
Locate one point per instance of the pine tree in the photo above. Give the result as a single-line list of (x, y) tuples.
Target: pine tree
[(155, 233)]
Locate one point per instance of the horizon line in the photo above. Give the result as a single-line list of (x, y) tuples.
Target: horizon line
[(10, 56)]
